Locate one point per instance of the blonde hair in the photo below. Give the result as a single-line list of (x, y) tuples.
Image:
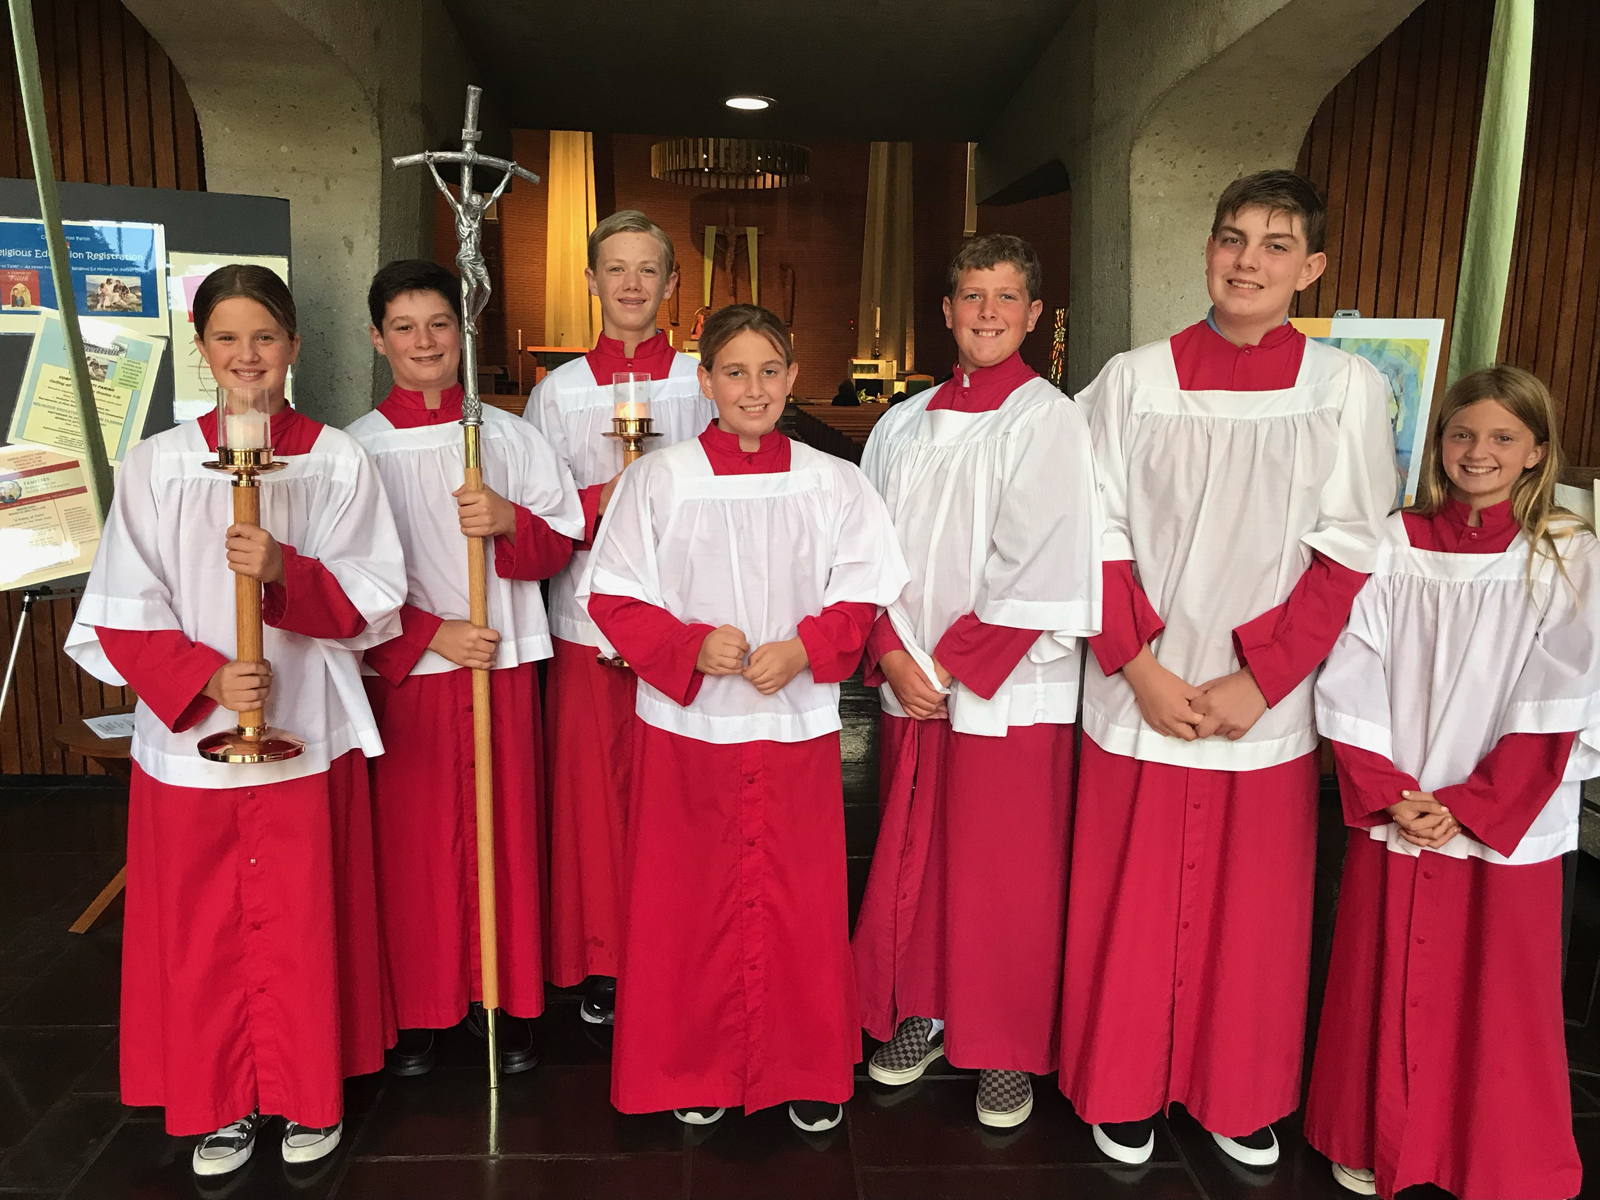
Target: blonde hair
[(631, 220), (1533, 496)]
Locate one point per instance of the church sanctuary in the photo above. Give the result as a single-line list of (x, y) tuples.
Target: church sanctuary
[(512, 553)]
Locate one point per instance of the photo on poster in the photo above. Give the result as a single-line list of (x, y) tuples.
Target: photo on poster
[(119, 270), (1405, 350)]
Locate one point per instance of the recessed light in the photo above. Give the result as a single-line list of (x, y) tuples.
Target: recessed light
[(749, 103)]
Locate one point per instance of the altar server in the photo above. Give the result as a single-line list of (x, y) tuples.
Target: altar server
[(588, 703), (990, 480), (251, 969), (420, 684), (1247, 473), (1463, 701), (739, 573)]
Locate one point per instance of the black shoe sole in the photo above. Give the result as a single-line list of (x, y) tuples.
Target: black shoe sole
[(411, 1067), (517, 1065)]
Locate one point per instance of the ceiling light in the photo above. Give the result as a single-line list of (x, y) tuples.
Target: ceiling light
[(749, 103)]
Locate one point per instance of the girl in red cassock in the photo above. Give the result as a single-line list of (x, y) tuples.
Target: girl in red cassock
[(251, 970), (1463, 700), (739, 574)]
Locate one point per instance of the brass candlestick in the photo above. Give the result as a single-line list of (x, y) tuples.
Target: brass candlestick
[(254, 741), (631, 432)]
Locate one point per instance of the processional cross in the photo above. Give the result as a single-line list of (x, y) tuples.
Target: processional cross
[(469, 208)]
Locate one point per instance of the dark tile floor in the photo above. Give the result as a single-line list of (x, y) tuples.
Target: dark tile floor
[(64, 1133)]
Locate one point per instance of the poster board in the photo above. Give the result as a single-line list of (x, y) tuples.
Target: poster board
[(47, 523), (212, 224), (1406, 352)]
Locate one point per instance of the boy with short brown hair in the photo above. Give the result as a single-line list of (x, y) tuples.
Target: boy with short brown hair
[(990, 480), (1247, 472)]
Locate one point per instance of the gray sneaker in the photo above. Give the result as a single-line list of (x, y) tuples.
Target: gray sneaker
[(911, 1051), (1005, 1098), (228, 1149)]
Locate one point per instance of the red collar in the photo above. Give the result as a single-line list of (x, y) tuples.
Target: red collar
[(653, 357), (1271, 340), (1495, 518), (985, 389), (771, 457), (409, 410), (292, 431)]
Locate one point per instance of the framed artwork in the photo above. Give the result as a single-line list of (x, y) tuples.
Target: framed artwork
[(1406, 352)]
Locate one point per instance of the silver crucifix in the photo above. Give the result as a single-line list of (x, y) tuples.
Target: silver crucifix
[(469, 208)]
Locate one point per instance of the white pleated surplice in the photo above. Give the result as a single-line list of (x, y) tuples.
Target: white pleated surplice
[(162, 564), (420, 468), (999, 515), (1220, 498), (759, 552), (1445, 654), (574, 413)]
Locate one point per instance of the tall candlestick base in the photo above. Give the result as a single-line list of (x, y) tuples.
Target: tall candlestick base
[(262, 744), (631, 432)]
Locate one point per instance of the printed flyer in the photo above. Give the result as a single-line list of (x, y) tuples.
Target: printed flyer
[(118, 271)]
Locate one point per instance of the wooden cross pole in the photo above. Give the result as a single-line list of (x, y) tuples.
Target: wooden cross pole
[(469, 207)]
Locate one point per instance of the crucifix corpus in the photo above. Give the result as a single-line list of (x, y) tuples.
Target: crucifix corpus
[(469, 207)]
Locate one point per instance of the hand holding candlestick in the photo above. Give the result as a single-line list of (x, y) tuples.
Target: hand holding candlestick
[(244, 450)]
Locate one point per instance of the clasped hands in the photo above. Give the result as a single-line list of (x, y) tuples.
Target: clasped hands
[(1423, 821), (770, 668), (1228, 706)]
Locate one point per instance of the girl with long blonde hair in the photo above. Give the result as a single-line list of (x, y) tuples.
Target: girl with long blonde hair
[(1463, 701)]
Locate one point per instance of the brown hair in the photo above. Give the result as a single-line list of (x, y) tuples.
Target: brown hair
[(989, 250), (1533, 496), (727, 323), (251, 282), (1280, 193), (630, 220)]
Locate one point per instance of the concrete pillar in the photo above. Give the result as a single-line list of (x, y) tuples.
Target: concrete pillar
[(1154, 108), (308, 99)]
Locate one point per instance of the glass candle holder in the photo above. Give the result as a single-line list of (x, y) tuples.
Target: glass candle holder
[(630, 394), (244, 421)]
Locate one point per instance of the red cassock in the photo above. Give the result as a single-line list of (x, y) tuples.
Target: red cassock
[(964, 913), (589, 720), (1189, 915), (1441, 1055), (424, 805), (252, 969), (736, 985)]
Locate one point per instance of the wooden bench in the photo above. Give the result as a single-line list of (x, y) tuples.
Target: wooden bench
[(841, 431)]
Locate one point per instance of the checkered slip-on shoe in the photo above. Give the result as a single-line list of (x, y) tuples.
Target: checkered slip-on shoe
[(911, 1051), (1005, 1098)]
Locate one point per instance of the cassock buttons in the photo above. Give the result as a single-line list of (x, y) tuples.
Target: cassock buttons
[(749, 903)]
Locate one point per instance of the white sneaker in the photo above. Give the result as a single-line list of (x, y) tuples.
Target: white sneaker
[(303, 1144), (699, 1116), (1356, 1179), (1251, 1155), (228, 1149)]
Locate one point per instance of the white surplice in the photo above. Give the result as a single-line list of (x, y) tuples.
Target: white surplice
[(1445, 654), (420, 467), (162, 564), (998, 515), (1220, 498), (574, 414), (759, 552)]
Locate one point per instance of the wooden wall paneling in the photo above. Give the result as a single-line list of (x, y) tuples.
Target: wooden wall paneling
[(116, 110), (108, 26)]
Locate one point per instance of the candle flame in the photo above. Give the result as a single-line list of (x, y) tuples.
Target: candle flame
[(632, 410)]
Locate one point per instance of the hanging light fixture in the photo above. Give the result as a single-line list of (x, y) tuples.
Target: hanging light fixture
[(730, 163)]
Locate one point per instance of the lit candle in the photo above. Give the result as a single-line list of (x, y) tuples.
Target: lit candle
[(630, 391), (245, 430)]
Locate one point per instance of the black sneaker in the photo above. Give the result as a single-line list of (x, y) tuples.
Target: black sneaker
[(815, 1116), (519, 1049), (229, 1148), (1130, 1142), (599, 1005), (412, 1054), (304, 1144), (911, 1051), (1258, 1149)]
